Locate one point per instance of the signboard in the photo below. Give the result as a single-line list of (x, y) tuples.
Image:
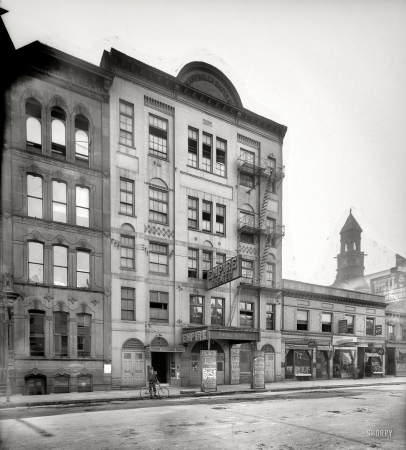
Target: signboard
[(378, 350), (229, 334), (242, 336), (155, 348), (342, 326), (312, 344), (378, 330), (235, 365), (340, 340), (209, 370), (258, 370), (147, 352), (392, 286), (195, 336), (223, 273)]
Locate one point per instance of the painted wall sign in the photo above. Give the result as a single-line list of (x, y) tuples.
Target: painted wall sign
[(195, 336), (223, 273), (378, 330), (155, 348), (209, 370), (258, 370), (235, 365)]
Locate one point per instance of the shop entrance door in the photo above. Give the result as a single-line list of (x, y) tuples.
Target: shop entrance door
[(220, 368), (322, 365), (269, 367), (159, 363), (133, 369), (35, 385)]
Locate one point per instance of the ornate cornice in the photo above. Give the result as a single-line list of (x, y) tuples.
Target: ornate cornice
[(159, 106), (248, 141)]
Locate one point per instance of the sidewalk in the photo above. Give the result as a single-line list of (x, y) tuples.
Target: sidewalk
[(175, 392)]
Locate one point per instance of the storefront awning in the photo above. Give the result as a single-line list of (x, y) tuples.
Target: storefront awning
[(233, 334)]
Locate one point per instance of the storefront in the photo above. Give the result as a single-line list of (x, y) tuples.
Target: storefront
[(395, 358)]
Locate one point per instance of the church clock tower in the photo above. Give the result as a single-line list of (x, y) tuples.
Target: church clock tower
[(350, 260)]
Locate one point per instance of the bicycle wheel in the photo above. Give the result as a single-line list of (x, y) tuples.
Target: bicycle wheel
[(144, 393), (163, 392)]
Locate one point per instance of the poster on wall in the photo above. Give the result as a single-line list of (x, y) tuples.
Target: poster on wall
[(258, 370), (235, 365), (209, 370)]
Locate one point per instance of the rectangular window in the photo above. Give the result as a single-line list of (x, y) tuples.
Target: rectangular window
[(158, 206), (126, 124), (34, 196), (196, 309), (35, 262), (207, 149), (82, 207), (220, 258), (302, 320), (246, 315), (370, 325), (247, 157), (220, 219), (246, 180), (192, 213), (247, 271), (247, 238), (326, 321), (61, 333), (58, 201), (391, 332), (206, 264), (127, 252), (270, 224), (158, 306), (270, 316), (193, 256), (217, 311), (193, 146), (158, 137), (350, 324), (83, 269), (126, 196), (221, 151), (60, 265), (84, 334), (206, 216), (37, 333), (270, 273), (404, 333), (158, 258), (127, 304)]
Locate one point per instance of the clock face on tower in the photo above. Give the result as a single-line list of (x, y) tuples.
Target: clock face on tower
[(344, 262)]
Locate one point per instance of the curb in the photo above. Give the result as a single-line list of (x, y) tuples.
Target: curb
[(197, 394)]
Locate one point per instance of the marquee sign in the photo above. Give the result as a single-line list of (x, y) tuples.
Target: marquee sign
[(223, 273)]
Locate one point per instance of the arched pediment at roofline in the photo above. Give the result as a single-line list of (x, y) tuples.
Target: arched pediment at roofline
[(208, 79)]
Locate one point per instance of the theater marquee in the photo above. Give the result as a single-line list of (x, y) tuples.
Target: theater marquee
[(223, 273)]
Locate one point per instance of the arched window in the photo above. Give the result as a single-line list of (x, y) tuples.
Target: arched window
[(33, 123), (60, 265), (127, 247), (34, 196), (81, 139), (58, 128), (58, 201)]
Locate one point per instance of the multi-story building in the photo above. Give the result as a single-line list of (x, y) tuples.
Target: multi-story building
[(55, 226), (196, 180), (330, 333)]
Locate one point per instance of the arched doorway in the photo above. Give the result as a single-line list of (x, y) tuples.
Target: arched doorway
[(269, 363), (133, 363), (35, 384), (159, 360), (195, 363)]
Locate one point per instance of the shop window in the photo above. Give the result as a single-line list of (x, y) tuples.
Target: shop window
[(84, 383), (126, 196), (193, 257), (246, 315), (83, 269), (350, 324), (344, 363), (217, 311), (33, 112), (247, 271), (193, 146), (370, 326), (196, 309), (126, 124), (37, 333), (81, 140), (220, 258), (158, 258), (158, 137), (127, 304), (59, 213), (192, 213), (158, 206), (127, 251), (82, 207), (158, 306), (61, 384), (391, 333), (84, 334), (58, 133), (302, 320), (221, 152), (34, 196), (61, 321), (207, 152), (220, 219), (270, 316), (206, 264), (206, 216), (60, 255), (326, 321), (35, 262)]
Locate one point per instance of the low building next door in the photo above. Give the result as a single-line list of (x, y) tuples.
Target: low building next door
[(269, 367), (133, 369)]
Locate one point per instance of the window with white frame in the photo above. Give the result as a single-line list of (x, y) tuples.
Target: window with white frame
[(127, 304), (34, 196), (247, 271), (84, 334), (126, 124), (196, 309), (270, 316), (61, 329), (82, 206), (220, 258), (370, 326), (206, 263), (246, 315), (59, 208), (158, 205), (270, 273), (221, 152), (217, 311), (158, 306), (58, 132), (158, 258), (193, 213), (81, 139), (33, 114), (60, 255), (82, 269), (350, 324), (207, 152), (220, 219), (326, 322), (158, 137), (206, 215), (193, 257), (302, 320), (127, 251), (37, 333), (193, 147), (35, 262), (126, 196)]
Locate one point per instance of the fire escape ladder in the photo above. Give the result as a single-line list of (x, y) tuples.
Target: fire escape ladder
[(234, 306), (265, 203)]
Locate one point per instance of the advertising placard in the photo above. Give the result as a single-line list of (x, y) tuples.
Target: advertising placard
[(235, 365), (209, 370), (223, 273), (258, 370)]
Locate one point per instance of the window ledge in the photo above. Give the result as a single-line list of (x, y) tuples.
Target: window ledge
[(128, 146), (206, 171), (128, 270), (158, 157), (159, 223), (160, 274), (128, 215)]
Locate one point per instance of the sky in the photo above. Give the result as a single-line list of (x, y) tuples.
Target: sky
[(333, 71)]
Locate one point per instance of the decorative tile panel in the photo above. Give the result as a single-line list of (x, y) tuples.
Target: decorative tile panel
[(158, 231)]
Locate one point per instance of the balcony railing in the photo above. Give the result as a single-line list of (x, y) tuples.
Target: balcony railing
[(275, 231), (248, 224), (248, 166), (275, 171)]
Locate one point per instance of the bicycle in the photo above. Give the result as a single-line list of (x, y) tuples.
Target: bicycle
[(161, 392)]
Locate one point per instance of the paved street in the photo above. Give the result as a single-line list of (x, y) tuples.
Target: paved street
[(326, 419)]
